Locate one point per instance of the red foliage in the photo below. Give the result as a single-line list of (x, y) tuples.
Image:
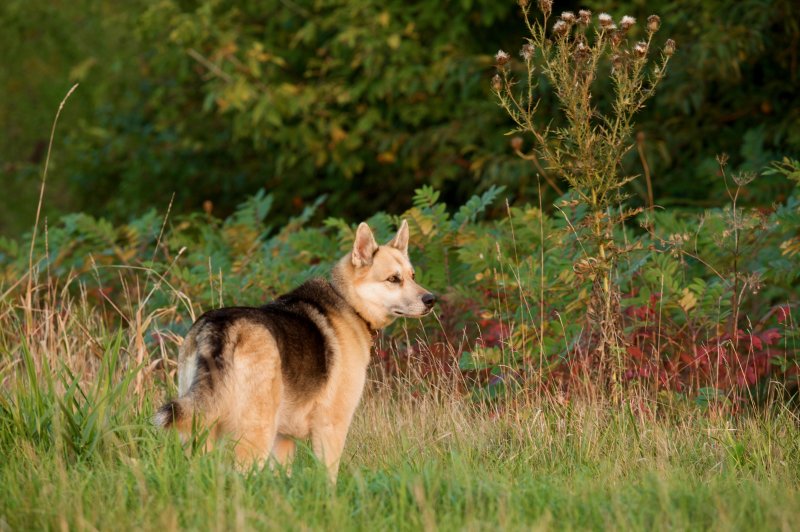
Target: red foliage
[(681, 359)]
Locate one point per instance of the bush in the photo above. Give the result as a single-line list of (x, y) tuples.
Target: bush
[(513, 301), (174, 101)]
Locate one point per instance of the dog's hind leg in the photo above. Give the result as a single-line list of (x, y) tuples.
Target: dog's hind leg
[(257, 426), (254, 445), (256, 394)]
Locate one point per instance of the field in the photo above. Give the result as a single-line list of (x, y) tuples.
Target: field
[(615, 343), (79, 452), (435, 462)]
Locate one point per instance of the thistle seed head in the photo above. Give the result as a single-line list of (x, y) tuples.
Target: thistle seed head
[(640, 49), (568, 17), (523, 3), (501, 58), (516, 143), (546, 6), (584, 16), (653, 23), (605, 20), (527, 52), (560, 28), (669, 47), (616, 38), (581, 51), (497, 83), (627, 22)]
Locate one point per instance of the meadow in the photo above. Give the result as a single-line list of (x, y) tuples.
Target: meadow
[(80, 453), (605, 353)]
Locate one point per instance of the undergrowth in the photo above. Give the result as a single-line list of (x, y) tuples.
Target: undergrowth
[(498, 410)]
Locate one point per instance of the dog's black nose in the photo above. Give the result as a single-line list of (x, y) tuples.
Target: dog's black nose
[(429, 299)]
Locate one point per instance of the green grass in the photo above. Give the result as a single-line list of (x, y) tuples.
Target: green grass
[(77, 450), (430, 461)]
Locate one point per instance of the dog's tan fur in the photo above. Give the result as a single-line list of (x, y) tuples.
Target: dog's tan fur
[(235, 379)]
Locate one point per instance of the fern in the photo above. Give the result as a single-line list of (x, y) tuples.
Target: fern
[(425, 197), (477, 205)]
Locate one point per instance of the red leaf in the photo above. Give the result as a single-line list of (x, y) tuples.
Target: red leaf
[(784, 313), (750, 373), (755, 341), (635, 352), (770, 336)]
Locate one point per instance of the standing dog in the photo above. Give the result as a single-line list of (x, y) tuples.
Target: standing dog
[(295, 367)]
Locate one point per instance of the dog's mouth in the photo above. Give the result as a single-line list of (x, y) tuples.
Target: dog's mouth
[(402, 314)]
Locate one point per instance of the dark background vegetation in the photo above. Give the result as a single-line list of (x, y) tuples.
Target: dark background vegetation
[(362, 101)]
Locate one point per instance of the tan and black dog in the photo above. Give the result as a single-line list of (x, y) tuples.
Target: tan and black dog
[(295, 368)]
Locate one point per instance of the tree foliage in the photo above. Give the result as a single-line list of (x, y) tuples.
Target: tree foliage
[(213, 100)]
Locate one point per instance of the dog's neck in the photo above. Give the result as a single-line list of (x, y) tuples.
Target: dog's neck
[(342, 271)]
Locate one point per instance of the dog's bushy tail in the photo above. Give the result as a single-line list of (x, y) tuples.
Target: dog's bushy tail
[(175, 413)]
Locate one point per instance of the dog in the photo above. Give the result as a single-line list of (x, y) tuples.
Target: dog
[(296, 367)]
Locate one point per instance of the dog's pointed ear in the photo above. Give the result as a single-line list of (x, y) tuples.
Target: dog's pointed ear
[(364, 247), (400, 240)]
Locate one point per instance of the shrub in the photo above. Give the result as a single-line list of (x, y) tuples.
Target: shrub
[(587, 151)]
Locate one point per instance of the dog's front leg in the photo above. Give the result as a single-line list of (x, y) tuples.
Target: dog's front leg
[(283, 452), (327, 440)]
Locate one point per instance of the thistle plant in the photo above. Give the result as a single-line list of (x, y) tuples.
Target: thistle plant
[(578, 53)]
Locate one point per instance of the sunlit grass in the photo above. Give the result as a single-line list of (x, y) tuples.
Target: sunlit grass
[(80, 454)]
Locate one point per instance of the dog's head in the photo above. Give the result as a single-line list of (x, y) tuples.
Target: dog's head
[(383, 279)]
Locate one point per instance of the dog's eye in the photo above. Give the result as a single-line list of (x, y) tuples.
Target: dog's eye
[(393, 279)]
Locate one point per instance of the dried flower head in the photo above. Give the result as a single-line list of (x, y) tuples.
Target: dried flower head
[(605, 20), (753, 281), (616, 61), (744, 178), (527, 52), (640, 49), (560, 28), (669, 47), (497, 83), (653, 23), (546, 6), (523, 3), (581, 51), (627, 22), (568, 17), (501, 58), (584, 16), (516, 143)]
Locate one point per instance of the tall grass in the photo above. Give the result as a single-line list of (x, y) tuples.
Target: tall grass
[(79, 382), (79, 453)]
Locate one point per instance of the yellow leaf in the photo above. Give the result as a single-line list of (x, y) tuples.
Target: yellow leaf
[(688, 301), (393, 41), (386, 157), (424, 223), (338, 134), (790, 247), (81, 70)]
